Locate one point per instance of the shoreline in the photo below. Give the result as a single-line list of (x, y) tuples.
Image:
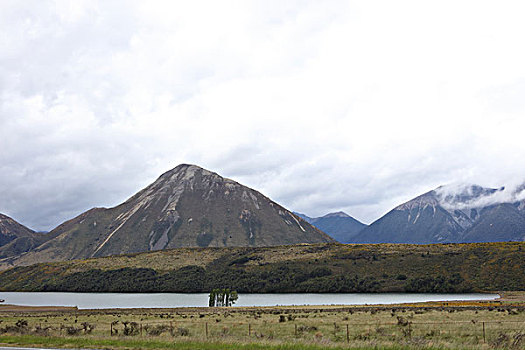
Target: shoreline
[(510, 299)]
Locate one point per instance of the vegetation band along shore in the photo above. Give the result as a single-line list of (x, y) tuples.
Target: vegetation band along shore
[(319, 268)]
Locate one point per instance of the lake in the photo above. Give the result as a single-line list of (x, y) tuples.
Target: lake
[(169, 300)]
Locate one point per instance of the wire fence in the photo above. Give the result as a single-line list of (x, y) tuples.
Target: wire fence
[(468, 332)]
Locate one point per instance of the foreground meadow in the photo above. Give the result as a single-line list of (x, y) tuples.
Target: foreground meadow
[(452, 325)]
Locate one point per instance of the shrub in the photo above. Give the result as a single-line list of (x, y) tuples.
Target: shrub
[(41, 331), (70, 330), (88, 327), (21, 327), (306, 329), (131, 328), (156, 330), (183, 332)]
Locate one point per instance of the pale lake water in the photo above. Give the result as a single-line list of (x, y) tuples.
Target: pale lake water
[(170, 300)]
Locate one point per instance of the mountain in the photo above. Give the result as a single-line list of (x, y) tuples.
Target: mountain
[(498, 223), (11, 230), (16, 238), (185, 207), (340, 226), (304, 217), (451, 214)]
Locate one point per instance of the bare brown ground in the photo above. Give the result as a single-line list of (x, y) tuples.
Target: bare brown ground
[(19, 308), (515, 297)]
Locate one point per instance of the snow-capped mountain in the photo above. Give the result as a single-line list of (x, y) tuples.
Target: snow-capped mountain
[(453, 213)]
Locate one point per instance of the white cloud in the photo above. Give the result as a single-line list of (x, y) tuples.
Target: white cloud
[(465, 196), (320, 105)]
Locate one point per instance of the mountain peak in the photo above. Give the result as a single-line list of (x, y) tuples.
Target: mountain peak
[(453, 196), (462, 195), (12, 232), (187, 170), (339, 214), (452, 213), (189, 173), (8, 226), (426, 199), (339, 225), (187, 206)]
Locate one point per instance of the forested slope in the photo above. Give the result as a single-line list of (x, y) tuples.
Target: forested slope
[(300, 268)]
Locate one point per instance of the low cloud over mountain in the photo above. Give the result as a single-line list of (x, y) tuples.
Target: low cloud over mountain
[(455, 213)]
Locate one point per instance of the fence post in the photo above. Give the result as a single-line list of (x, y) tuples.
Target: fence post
[(206, 329), (335, 329), (141, 329), (111, 328), (295, 331), (347, 335), (484, 339), (249, 329)]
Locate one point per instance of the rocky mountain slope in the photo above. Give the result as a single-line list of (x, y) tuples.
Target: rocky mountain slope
[(11, 230), (452, 214), (185, 207), (16, 238), (340, 226)]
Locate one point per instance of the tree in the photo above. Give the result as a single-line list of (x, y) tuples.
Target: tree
[(222, 297), (213, 298)]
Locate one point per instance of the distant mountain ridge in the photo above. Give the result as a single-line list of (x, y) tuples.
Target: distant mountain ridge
[(339, 225), (451, 214), (187, 206)]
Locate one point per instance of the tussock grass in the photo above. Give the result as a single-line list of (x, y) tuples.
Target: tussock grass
[(378, 327), (81, 342)]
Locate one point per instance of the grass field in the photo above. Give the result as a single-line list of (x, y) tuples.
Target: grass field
[(452, 325), (83, 342)]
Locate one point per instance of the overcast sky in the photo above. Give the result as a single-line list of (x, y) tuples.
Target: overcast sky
[(321, 105)]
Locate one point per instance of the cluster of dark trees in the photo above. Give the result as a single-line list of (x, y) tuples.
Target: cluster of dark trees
[(438, 284), (246, 273), (281, 279), (222, 297)]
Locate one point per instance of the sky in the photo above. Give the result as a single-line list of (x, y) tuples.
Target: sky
[(320, 105)]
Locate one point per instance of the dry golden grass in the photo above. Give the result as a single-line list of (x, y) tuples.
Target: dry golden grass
[(453, 325)]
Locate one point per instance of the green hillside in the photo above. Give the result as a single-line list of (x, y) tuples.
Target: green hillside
[(319, 268)]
